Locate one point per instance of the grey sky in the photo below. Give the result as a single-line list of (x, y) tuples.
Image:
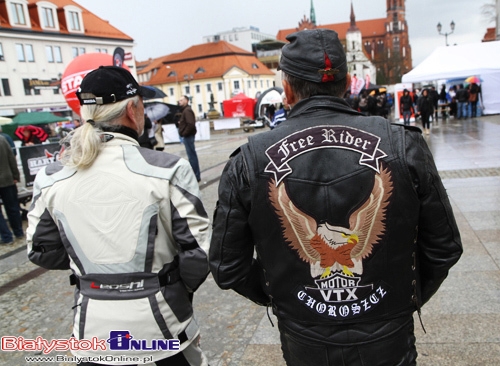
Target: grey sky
[(161, 27)]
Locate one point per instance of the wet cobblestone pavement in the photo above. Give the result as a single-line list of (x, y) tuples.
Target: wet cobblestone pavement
[(462, 320)]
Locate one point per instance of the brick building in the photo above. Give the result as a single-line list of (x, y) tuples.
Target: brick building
[(385, 40)]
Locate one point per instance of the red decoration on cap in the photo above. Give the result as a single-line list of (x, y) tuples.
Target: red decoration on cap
[(328, 72)]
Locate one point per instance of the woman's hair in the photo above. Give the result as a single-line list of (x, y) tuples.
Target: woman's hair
[(305, 89), (84, 144)]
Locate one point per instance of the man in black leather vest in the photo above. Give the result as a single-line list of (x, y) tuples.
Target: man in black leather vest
[(350, 224)]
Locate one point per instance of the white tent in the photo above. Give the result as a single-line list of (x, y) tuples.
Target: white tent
[(475, 59)]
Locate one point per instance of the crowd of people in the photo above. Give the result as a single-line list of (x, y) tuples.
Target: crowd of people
[(371, 102)]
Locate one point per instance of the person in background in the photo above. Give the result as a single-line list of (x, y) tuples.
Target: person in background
[(406, 106), (160, 141), (434, 95), (425, 110), (462, 100), (280, 115), (473, 98), (187, 130), (9, 177), (10, 141), (337, 221), (129, 223)]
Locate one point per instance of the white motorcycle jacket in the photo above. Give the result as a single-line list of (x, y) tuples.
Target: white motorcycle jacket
[(135, 234)]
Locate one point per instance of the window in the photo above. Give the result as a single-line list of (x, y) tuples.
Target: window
[(48, 18), (249, 84), (219, 86), (74, 21), (255, 84), (267, 83), (262, 83), (171, 92), (49, 53), (2, 58), (17, 11), (30, 56), (395, 44), (200, 70), (200, 108), (236, 84), (197, 88), (20, 53), (186, 88), (6, 87), (77, 51), (209, 88), (27, 88), (255, 66), (58, 54)]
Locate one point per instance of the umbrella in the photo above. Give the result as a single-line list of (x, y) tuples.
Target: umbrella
[(159, 94), (269, 96), (5, 120), (473, 80), (161, 111), (35, 130)]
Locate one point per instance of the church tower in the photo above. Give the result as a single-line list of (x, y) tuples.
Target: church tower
[(397, 40), (313, 14), (358, 62)]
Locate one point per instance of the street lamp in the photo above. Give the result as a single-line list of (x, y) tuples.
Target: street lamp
[(452, 26)]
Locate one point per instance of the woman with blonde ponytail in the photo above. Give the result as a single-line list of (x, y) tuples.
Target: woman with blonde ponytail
[(129, 223)]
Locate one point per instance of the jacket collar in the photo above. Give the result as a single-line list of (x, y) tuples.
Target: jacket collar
[(322, 102)]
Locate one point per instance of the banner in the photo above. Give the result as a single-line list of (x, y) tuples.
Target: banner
[(34, 158)]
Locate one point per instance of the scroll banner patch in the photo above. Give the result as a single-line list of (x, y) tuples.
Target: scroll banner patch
[(323, 137)]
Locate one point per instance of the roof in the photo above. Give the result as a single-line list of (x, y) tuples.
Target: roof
[(457, 61), (369, 28), (93, 25), (490, 35), (204, 61)]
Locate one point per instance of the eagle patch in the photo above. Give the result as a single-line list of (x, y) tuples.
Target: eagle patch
[(335, 254)]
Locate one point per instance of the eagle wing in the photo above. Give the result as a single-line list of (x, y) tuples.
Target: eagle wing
[(368, 221), (298, 227)]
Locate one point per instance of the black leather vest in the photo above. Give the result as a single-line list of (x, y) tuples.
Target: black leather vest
[(334, 192)]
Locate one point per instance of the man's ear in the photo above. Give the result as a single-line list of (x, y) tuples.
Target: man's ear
[(291, 98)]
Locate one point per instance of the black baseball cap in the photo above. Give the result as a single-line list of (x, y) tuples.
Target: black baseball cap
[(314, 55), (110, 84)]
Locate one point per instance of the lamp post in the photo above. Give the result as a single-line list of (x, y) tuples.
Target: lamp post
[(439, 27)]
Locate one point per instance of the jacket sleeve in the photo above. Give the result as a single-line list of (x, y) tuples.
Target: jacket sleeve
[(190, 227), (438, 241), (45, 247), (232, 261)]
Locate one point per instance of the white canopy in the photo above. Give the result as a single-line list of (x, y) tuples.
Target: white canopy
[(475, 59)]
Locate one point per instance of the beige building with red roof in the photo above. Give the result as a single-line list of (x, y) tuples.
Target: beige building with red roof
[(216, 68), (38, 39), (385, 40)]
